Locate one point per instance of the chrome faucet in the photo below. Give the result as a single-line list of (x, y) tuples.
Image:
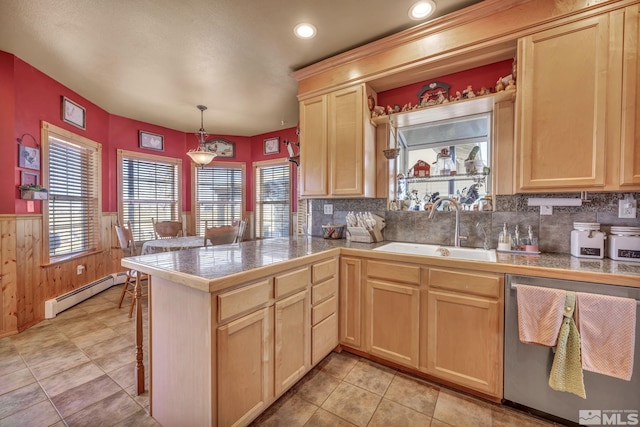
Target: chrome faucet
[(457, 207)]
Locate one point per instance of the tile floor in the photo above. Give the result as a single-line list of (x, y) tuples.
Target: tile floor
[(78, 370)]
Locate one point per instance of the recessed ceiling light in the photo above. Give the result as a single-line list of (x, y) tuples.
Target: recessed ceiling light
[(422, 9), (304, 31)]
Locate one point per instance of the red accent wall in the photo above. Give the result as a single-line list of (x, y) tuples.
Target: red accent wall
[(242, 154), (257, 141), (123, 134), (486, 76), (9, 175), (38, 97), (28, 96)]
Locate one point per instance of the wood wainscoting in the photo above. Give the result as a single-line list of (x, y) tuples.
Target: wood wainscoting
[(26, 284)]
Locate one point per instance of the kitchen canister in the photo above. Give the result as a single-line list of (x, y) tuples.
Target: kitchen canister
[(624, 243), (587, 241)]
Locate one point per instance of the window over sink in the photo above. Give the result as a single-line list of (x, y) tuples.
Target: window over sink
[(444, 151)]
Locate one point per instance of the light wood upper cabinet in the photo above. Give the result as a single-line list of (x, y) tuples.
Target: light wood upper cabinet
[(578, 120), (337, 149), (630, 138), (314, 179), (563, 77)]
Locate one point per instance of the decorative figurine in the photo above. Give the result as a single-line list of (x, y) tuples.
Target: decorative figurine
[(468, 93), (378, 110), (499, 85), (511, 85)]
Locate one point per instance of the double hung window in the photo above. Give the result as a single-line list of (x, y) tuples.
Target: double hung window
[(72, 174), (149, 186), (219, 194), (273, 199)]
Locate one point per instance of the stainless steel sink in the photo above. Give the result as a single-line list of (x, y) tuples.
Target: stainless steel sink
[(471, 254)]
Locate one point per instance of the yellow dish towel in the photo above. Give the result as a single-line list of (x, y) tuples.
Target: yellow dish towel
[(566, 371)]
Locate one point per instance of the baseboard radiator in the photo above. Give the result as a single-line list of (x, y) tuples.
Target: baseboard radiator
[(56, 305)]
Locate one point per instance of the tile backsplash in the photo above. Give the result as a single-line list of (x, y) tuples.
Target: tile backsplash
[(553, 231)]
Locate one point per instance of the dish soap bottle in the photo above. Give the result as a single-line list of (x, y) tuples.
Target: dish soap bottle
[(504, 239)]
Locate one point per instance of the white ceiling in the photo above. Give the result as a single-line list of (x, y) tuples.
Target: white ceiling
[(155, 60)]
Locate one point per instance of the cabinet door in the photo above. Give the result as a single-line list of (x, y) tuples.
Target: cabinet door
[(346, 142), (292, 340), (244, 374), (562, 103), (503, 173), (630, 152), (313, 147), (392, 321), (464, 336), (350, 305)]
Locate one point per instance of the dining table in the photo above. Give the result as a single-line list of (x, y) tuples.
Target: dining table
[(171, 244)]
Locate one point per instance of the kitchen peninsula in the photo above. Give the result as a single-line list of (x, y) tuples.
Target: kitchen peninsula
[(233, 327)]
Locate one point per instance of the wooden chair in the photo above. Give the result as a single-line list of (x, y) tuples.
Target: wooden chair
[(242, 226), (166, 229), (220, 235), (134, 277)]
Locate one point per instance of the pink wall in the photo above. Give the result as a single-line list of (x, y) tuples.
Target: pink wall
[(477, 77), (28, 96)]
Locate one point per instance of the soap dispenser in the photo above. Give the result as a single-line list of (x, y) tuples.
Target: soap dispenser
[(504, 239)]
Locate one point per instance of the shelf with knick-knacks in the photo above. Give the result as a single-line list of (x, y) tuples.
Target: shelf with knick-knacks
[(441, 178)]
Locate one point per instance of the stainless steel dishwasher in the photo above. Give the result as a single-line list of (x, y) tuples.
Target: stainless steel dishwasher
[(527, 366)]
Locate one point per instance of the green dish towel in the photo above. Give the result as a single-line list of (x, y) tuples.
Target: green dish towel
[(566, 371)]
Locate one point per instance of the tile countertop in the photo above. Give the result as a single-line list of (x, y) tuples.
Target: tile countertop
[(214, 268)]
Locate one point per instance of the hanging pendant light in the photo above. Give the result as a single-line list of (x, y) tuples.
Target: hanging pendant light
[(201, 156)]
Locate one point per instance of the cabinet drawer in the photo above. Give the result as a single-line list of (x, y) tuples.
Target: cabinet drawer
[(323, 310), (324, 338), (243, 299), (323, 270), (324, 290), (393, 271), (292, 281), (475, 283)]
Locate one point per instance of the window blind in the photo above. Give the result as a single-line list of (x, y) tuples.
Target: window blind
[(219, 196), (73, 207), (150, 189), (273, 206)]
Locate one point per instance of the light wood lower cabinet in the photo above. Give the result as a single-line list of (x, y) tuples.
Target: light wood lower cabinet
[(392, 321), (244, 371), (447, 323), (350, 301), (464, 331), (292, 340)]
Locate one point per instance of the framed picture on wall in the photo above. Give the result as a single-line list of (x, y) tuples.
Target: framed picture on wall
[(222, 147), (272, 145), (152, 141), (28, 157), (28, 178), (73, 113)]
